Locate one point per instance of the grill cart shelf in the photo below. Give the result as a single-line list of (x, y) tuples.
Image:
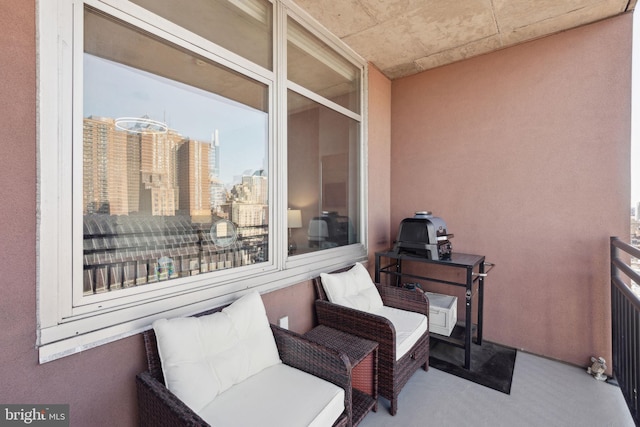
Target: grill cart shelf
[(475, 273)]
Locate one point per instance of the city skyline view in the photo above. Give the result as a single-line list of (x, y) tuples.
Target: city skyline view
[(175, 179), (114, 90), (153, 209)]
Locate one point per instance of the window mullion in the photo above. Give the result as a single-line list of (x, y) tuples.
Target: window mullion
[(324, 101), (280, 68), (73, 298)]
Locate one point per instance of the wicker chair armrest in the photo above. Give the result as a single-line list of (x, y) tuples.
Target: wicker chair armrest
[(157, 406), (404, 299), (359, 323), (301, 353), (331, 365)]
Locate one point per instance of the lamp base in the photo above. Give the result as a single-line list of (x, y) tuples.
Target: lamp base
[(293, 247)]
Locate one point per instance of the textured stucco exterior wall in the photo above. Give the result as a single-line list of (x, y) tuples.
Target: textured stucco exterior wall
[(524, 153), (98, 384), (379, 165)]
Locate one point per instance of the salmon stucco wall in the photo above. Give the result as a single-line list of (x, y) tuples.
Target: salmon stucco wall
[(98, 384), (524, 153), (379, 162)]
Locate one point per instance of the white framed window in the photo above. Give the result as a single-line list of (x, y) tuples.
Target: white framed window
[(169, 143), (323, 144)]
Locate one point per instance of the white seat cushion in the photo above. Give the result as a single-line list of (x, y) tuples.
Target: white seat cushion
[(204, 356), (352, 288), (409, 327), (277, 396)]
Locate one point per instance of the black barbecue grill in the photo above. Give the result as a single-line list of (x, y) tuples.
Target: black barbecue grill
[(424, 235)]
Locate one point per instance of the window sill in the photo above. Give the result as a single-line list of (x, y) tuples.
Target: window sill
[(72, 336)]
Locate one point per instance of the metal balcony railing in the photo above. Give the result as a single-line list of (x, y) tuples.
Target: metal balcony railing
[(124, 251), (625, 322)]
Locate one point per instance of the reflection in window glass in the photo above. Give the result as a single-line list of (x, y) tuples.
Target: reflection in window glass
[(241, 26), (324, 175), (175, 172), (317, 67)]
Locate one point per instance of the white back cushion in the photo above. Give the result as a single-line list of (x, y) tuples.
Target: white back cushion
[(352, 288), (204, 356)]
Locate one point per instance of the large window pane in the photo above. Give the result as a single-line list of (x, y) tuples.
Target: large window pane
[(317, 67), (175, 171), (241, 26), (324, 175)]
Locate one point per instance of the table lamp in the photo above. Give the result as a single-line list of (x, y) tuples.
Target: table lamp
[(294, 220)]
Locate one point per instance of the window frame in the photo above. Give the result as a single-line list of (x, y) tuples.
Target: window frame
[(64, 328)]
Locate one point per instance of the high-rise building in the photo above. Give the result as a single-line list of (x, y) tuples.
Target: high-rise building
[(255, 188), (249, 207), (249, 214), (110, 168), (193, 166), (218, 194), (216, 187), (214, 155), (133, 172), (158, 164)]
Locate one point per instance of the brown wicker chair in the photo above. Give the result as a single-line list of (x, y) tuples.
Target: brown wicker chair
[(392, 374), (157, 406)]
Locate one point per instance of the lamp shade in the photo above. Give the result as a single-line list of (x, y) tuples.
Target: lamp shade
[(294, 218)]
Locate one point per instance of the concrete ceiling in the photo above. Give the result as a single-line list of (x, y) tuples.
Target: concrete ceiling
[(404, 37)]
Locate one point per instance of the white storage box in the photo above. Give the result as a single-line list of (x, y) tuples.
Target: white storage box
[(443, 313)]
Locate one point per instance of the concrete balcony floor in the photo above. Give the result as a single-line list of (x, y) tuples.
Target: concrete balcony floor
[(543, 393)]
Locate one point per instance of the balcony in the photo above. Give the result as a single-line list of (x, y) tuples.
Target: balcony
[(543, 393), (524, 150)]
